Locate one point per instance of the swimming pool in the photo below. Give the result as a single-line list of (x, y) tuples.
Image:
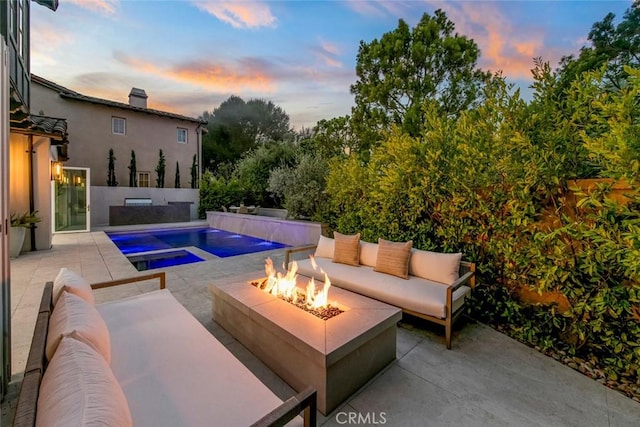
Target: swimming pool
[(217, 242)]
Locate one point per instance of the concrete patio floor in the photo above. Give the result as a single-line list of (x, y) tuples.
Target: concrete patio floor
[(486, 379)]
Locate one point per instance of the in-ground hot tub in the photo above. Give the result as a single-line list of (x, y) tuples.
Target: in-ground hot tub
[(335, 356)]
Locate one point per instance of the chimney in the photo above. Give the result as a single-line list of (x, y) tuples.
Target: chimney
[(138, 98)]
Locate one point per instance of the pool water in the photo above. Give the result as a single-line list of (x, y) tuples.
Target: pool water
[(217, 242), (164, 259)]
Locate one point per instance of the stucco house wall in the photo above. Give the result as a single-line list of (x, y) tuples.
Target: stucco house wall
[(19, 185), (91, 137)]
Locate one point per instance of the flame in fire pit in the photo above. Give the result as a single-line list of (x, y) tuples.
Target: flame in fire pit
[(284, 286)]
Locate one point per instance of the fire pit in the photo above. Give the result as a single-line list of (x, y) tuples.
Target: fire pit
[(335, 356), (311, 300)]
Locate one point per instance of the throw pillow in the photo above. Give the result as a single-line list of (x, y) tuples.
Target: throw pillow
[(70, 281), (79, 389), (439, 267), (347, 249), (73, 316), (393, 258)]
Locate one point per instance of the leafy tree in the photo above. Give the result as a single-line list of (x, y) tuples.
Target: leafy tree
[(253, 171), (160, 169), (302, 186), (111, 176), (408, 66), (613, 46), (330, 138), (194, 172), (236, 127), (176, 183), (133, 171), (268, 122)]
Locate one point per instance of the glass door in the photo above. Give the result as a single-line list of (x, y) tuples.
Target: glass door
[(71, 201)]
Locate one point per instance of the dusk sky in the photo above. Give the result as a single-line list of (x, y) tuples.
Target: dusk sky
[(190, 56)]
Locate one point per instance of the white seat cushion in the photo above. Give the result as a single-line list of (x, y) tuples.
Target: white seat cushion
[(415, 293), (174, 372)]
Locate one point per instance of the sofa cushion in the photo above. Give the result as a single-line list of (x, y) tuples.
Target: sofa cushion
[(70, 281), (439, 267), (393, 258), (368, 253), (73, 316), (79, 389), (172, 369), (416, 294), (325, 248), (347, 249)]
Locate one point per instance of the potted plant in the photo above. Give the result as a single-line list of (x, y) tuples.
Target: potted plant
[(17, 232)]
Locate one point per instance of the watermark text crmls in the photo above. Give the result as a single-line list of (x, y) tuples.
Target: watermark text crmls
[(362, 418)]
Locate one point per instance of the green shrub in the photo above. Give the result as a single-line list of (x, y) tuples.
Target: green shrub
[(302, 186), (216, 192)]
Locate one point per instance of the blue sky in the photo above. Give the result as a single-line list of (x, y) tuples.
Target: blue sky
[(190, 56)]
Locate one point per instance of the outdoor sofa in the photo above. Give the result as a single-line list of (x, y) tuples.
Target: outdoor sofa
[(143, 361), (429, 285)]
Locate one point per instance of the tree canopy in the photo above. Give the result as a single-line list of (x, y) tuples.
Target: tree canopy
[(611, 46), (407, 67), (236, 127)]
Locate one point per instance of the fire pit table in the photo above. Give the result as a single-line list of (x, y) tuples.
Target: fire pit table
[(335, 356)]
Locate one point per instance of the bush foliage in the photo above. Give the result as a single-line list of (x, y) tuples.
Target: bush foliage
[(495, 183)]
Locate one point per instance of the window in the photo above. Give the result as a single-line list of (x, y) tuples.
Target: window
[(182, 136), (143, 179), (17, 25), (119, 125)]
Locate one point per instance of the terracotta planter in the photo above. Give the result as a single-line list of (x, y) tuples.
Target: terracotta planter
[(16, 240)]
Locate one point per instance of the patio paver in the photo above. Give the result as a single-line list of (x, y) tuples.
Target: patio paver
[(487, 379)]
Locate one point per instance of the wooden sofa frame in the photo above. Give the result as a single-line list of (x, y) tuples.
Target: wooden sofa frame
[(467, 276), (27, 404)]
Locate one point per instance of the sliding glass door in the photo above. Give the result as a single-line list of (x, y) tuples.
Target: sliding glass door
[(71, 210)]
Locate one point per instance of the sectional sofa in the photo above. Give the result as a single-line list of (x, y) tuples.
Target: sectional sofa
[(434, 288), (143, 361)]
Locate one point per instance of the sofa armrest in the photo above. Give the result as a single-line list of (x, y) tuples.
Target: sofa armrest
[(160, 276), (467, 267), (463, 280), (305, 401), (288, 252)]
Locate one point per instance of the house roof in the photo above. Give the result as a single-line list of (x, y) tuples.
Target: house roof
[(71, 94), (51, 127), (51, 4)]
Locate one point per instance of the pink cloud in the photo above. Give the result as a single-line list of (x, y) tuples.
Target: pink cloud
[(107, 7), (328, 53), (239, 14), (207, 74)]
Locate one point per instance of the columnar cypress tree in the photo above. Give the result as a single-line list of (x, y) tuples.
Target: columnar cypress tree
[(160, 170), (111, 177), (177, 182), (133, 171), (194, 173)]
